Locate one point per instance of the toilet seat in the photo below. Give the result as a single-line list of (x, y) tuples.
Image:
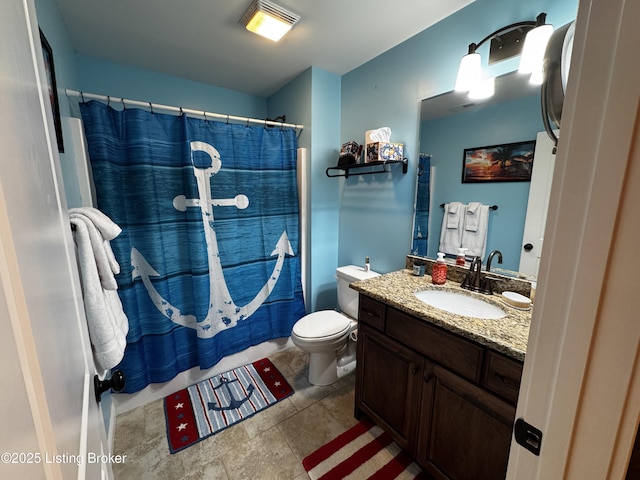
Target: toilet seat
[(323, 325)]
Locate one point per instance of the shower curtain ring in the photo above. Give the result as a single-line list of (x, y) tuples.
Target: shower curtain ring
[(247, 122), (82, 96), (124, 105), (181, 112), (151, 108), (227, 119), (205, 115), (108, 101)]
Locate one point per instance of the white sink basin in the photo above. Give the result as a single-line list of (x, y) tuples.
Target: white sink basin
[(460, 304)]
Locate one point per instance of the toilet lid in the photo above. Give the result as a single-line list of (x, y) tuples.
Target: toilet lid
[(324, 323)]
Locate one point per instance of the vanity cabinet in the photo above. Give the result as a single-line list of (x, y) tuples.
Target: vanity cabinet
[(448, 401)]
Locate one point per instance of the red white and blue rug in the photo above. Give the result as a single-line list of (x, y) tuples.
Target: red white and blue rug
[(203, 409), (365, 451)]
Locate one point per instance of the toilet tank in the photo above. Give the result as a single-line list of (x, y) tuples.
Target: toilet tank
[(347, 297)]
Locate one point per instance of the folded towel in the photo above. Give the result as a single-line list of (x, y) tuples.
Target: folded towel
[(472, 218), (107, 323), (475, 241), (453, 213), (451, 238)]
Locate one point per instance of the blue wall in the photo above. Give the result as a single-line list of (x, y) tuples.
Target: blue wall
[(313, 99), (446, 138), (376, 214)]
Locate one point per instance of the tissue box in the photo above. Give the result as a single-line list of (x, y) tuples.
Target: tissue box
[(384, 152)]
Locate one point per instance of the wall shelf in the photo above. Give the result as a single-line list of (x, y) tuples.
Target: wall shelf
[(365, 168)]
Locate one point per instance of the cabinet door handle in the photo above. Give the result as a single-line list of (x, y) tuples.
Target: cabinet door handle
[(414, 369), (428, 377), (506, 380), (369, 313)]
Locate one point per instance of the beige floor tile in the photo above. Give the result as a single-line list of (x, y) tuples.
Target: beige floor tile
[(264, 420), (340, 403), (309, 429), (264, 457), (130, 431), (150, 461)]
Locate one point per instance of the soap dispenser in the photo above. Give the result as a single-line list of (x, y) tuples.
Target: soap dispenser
[(439, 271), (460, 258)]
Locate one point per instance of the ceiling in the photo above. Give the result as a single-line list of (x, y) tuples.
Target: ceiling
[(201, 40)]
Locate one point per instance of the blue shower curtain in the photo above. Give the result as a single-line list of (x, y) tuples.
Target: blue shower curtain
[(421, 218), (209, 251)]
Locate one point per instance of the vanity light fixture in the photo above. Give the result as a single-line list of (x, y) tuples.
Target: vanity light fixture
[(268, 19), (506, 42)]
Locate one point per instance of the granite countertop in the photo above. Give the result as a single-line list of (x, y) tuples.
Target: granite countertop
[(507, 335)]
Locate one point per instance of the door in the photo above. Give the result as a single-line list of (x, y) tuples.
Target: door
[(50, 417), (388, 384), (538, 204), (465, 431)]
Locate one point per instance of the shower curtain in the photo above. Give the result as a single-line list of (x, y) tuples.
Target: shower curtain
[(209, 251), (421, 218)]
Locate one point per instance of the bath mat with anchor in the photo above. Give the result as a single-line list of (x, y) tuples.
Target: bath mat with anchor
[(203, 409)]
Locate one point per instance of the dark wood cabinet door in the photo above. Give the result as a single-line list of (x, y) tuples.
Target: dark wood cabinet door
[(388, 385), (465, 431)]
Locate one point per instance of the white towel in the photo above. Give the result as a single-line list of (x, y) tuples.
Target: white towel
[(453, 212), (108, 325), (451, 238), (474, 234)]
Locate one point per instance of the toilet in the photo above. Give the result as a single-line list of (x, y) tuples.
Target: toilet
[(328, 336)]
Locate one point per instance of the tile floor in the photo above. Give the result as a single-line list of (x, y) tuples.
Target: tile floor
[(269, 445)]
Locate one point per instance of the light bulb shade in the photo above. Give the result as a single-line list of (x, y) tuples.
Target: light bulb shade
[(469, 73), (535, 44), (268, 19), (483, 89), (270, 27)]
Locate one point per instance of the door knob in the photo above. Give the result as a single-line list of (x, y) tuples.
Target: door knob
[(115, 383), (528, 247)]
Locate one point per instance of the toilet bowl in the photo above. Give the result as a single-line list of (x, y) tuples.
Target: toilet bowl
[(329, 336)]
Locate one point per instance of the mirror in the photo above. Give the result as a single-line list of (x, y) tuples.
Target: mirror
[(451, 123)]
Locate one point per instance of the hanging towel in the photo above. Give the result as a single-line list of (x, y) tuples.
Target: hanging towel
[(451, 237), (474, 234), (107, 323), (453, 213)]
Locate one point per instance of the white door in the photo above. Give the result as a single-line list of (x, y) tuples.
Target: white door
[(539, 191), (49, 413), (581, 380)]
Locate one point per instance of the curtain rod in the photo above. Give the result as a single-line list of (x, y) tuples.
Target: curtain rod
[(157, 106)]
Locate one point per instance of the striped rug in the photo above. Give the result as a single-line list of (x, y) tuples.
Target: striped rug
[(364, 451), (203, 409)]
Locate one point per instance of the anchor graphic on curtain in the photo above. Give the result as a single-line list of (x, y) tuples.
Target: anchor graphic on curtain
[(223, 312)]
